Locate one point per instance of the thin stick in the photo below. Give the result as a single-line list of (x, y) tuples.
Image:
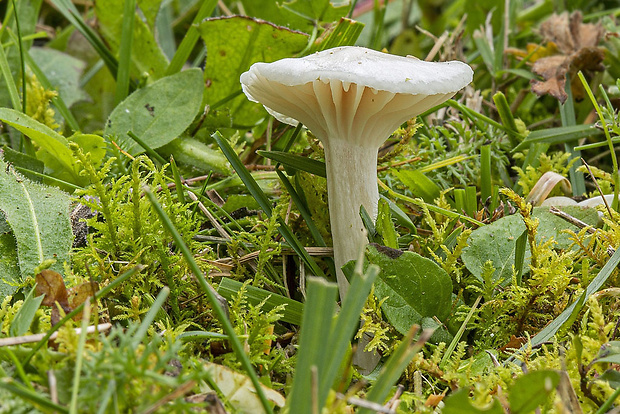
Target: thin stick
[(598, 188), (27, 339), (572, 220)]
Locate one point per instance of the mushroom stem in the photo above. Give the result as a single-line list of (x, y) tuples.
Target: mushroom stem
[(351, 182)]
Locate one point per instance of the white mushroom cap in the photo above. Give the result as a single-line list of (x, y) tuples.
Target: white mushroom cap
[(352, 92)]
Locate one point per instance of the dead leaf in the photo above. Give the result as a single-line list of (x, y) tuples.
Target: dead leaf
[(79, 294), (545, 184), (51, 284), (433, 400), (239, 390), (514, 343), (577, 43)]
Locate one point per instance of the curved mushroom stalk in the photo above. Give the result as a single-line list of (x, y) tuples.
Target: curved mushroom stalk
[(351, 182)]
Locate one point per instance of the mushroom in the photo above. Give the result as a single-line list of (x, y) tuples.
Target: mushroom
[(352, 99)]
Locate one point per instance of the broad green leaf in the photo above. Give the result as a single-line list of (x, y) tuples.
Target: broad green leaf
[(415, 287), (146, 55), (25, 315), (459, 403), (532, 390), (63, 71), (158, 113), (89, 143), (497, 241), (52, 144), (419, 184), (612, 377), (233, 45), (9, 269), (39, 218), (610, 352), (236, 201), (190, 151), (318, 10), (274, 12), (150, 9)]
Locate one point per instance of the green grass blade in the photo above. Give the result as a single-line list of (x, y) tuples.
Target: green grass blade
[(79, 359), (124, 58), (20, 45), (243, 173), (263, 201), (146, 147), (210, 292), (459, 200), (57, 101), (106, 396), (32, 396), (459, 334), (288, 143), (431, 207), (296, 162), (10, 82), (150, 316), (101, 293), (301, 206), (178, 185), (505, 114), (471, 200), (292, 313), (25, 315), (344, 328), (486, 179), (609, 402), (614, 140), (558, 135), (71, 13), (48, 177), (315, 327), (345, 33), (602, 120), (567, 115), (395, 366), (190, 39)]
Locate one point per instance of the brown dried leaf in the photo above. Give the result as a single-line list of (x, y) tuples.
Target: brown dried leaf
[(51, 284), (577, 42), (433, 400), (545, 184), (569, 33), (514, 343), (79, 294), (553, 69)]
